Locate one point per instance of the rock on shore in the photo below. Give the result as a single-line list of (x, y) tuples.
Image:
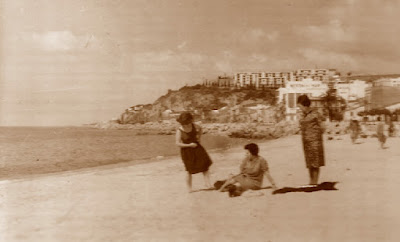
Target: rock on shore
[(234, 130)]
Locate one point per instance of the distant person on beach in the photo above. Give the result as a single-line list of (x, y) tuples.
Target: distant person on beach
[(311, 131), (194, 156), (392, 128), (252, 171), (380, 132), (355, 130)]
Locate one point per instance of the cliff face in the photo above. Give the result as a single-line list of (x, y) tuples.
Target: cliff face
[(197, 98)]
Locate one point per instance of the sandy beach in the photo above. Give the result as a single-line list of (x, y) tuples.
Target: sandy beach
[(149, 202)]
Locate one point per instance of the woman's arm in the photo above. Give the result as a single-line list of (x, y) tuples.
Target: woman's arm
[(179, 143), (199, 132), (321, 121), (242, 165), (269, 177)]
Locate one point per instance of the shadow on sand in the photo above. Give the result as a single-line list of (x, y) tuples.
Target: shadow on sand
[(325, 186)]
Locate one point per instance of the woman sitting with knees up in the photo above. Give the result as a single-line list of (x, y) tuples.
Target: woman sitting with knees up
[(252, 171)]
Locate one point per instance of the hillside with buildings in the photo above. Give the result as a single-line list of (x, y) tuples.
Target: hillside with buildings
[(207, 103), (268, 97)]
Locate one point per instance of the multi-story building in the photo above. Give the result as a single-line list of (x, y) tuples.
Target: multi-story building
[(351, 91), (316, 90), (221, 81), (289, 94), (315, 74), (225, 81), (387, 82), (262, 79), (279, 79)]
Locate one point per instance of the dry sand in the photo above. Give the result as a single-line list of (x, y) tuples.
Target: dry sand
[(149, 202)]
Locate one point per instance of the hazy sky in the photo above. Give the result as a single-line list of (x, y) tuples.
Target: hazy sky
[(69, 62)]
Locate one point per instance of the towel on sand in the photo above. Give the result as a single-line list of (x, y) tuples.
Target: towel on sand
[(327, 186)]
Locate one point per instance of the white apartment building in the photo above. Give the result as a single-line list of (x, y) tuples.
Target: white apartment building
[(262, 79), (293, 89), (279, 79), (315, 90), (351, 91), (315, 74), (387, 82)]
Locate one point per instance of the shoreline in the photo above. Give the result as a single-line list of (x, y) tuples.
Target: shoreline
[(24, 155), (128, 163), (33, 151)]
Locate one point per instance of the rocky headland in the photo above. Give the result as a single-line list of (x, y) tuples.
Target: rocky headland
[(234, 130), (236, 113)]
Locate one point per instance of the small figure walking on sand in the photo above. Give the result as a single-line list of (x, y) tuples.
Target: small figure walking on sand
[(392, 128), (252, 171), (355, 130), (380, 132), (311, 132), (194, 156)]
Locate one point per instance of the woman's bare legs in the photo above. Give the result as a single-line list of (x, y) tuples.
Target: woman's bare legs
[(229, 181), (314, 174), (207, 182), (189, 182)]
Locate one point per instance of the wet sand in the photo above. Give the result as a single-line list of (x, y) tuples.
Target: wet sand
[(149, 202)]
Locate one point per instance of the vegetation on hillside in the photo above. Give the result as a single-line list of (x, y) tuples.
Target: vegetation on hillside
[(201, 99)]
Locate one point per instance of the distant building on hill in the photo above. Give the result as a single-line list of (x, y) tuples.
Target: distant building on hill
[(221, 81), (288, 95), (261, 80), (387, 82), (225, 81), (351, 91), (323, 75)]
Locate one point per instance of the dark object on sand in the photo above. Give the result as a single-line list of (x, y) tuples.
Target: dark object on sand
[(218, 184), (326, 186), (234, 191)]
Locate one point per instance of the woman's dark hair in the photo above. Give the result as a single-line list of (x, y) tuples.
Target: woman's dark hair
[(185, 118), (253, 148), (304, 100), (379, 118)]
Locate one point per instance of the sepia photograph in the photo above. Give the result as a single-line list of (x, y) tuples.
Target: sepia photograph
[(199, 120)]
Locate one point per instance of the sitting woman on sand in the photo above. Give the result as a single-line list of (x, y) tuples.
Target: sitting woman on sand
[(194, 156), (252, 171)]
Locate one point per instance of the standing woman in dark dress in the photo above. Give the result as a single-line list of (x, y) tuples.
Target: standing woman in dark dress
[(194, 156), (311, 132)]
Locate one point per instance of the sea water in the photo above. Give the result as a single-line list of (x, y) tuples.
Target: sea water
[(38, 150)]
